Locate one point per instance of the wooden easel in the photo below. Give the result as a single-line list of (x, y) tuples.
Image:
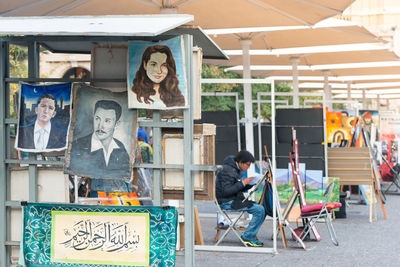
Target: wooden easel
[(198, 236), (298, 182), (374, 171), (282, 218)]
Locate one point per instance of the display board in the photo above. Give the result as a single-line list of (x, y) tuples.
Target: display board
[(309, 126)]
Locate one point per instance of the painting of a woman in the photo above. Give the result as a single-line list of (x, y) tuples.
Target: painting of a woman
[(155, 84), (156, 78)]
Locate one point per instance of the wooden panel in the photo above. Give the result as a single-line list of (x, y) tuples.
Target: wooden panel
[(351, 164)]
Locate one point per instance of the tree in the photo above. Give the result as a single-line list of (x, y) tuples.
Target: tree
[(213, 103), (18, 69)]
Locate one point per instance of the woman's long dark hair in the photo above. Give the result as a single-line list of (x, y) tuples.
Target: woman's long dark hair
[(169, 87)]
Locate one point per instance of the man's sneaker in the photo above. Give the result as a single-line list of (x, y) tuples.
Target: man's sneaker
[(253, 243)]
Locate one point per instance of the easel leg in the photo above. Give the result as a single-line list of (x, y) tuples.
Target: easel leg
[(283, 235), (217, 235), (375, 204), (370, 204)]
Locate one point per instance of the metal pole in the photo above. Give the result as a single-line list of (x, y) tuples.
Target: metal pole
[(273, 162), (295, 72), (259, 133), (327, 91), (188, 161), (4, 257), (33, 72), (157, 158), (237, 122), (364, 99), (378, 102), (349, 94), (76, 189), (247, 96), (325, 135)]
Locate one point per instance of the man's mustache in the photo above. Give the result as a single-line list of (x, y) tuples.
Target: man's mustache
[(100, 131)]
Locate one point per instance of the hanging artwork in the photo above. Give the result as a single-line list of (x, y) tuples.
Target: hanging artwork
[(338, 126), (72, 235), (156, 75), (44, 117), (389, 134), (370, 117), (100, 135), (114, 238)]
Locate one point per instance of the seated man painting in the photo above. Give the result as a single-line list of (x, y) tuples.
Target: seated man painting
[(229, 192)]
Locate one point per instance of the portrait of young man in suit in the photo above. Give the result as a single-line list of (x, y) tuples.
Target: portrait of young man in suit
[(99, 154), (42, 135)]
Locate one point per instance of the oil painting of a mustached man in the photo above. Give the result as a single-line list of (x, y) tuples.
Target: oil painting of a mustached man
[(156, 75), (44, 117), (100, 134)]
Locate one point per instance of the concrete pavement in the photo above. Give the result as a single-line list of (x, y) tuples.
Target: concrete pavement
[(361, 243)]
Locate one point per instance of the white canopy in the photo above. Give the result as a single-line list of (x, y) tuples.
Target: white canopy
[(140, 25)]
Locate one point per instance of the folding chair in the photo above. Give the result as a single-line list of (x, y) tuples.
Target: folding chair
[(232, 224), (322, 210), (393, 177)]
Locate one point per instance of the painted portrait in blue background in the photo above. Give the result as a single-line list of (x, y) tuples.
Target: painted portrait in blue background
[(44, 117), (156, 75)]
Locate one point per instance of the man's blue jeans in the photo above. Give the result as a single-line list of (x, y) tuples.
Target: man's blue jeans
[(258, 213)]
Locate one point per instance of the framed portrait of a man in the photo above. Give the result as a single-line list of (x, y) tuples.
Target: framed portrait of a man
[(156, 75), (44, 117), (100, 139)]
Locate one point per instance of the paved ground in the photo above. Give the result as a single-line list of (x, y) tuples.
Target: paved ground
[(361, 243)]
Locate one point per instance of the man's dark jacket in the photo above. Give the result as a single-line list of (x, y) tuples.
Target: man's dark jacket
[(57, 137), (93, 164), (229, 185)]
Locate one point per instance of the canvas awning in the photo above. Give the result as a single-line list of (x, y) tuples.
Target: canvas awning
[(327, 32), (208, 14)]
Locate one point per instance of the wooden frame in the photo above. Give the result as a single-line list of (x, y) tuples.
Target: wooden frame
[(207, 193), (172, 147)]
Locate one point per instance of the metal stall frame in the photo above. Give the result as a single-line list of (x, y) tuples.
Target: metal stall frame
[(236, 95), (237, 102), (259, 101), (272, 250), (6, 204)]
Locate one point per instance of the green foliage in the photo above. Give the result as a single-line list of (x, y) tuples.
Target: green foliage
[(214, 103), (18, 61), (18, 69)]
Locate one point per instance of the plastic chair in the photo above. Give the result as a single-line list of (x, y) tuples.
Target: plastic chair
[(232, 224), (312, 213)]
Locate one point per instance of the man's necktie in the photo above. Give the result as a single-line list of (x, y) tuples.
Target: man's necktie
[(40, 141)]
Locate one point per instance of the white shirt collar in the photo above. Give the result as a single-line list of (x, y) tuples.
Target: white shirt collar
[(97, 144), (46, 136), (38, 127)]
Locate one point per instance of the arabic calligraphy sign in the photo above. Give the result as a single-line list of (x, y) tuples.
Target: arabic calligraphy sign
[(100, 238)]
